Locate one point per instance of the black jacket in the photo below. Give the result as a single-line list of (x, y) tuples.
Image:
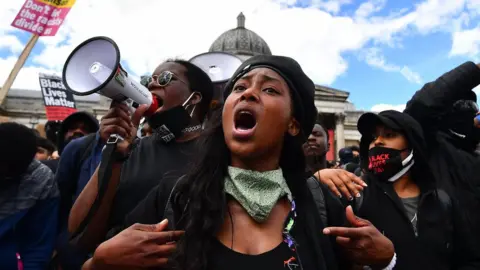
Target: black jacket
[(456, 165), (440, 242)]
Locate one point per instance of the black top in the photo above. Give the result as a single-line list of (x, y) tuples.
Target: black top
[(279, 258), (314, 249), (151, 163)]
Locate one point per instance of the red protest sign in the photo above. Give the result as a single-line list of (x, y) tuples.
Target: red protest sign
[(42, 17)]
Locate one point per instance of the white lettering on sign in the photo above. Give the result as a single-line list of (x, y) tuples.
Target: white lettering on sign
[(55, 94)]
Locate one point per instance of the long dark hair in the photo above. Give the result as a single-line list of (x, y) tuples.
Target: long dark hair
[(200, 201)]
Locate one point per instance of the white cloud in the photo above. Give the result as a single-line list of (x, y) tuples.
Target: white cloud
[(333, 6), (370, 7), (156, 30), (465, 38), (27, 77), (11, 42), (466, 42), (410, 75), (375, 58), (384, 107)]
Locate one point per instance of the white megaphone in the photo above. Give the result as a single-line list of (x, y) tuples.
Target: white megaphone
[(219, 66), (94, 67)]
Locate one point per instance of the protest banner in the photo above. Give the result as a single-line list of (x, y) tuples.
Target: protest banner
[(42, 17), (59, 103)]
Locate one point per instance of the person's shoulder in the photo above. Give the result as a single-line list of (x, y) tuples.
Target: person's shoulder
[(38, 170), (40, 179)]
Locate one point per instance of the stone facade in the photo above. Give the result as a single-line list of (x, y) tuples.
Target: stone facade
[(27, 107)]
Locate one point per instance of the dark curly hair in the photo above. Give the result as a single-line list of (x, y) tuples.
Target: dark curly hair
[(200, 205)]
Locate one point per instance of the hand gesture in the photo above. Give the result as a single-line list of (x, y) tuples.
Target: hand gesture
[(137, 247), (363, 243), (341, 182)]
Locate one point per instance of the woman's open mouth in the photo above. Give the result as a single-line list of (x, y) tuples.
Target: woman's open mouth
[(244, 124)]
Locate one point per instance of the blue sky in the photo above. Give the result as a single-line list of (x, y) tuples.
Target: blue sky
[(381, 51), (427, 55)]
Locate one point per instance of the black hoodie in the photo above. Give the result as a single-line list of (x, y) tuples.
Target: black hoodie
[(456, 167), (89, 120), (439, 242)]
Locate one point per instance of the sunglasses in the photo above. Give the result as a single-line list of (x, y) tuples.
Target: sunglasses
[(163, 79)]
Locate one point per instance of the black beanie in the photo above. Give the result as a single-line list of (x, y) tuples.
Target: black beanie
[(301, 87)]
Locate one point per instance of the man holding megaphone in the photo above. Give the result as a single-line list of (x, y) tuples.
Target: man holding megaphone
[(184, 93)]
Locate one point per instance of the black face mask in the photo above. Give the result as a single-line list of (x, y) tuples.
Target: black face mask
[(386, 163), (169, 124), (356, 159)]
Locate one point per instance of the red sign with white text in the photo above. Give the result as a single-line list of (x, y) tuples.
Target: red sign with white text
[(42, 17)]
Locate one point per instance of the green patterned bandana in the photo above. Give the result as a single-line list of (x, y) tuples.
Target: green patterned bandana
[(257, 192)]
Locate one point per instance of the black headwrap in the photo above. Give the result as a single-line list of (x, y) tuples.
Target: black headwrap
[(301, 87)]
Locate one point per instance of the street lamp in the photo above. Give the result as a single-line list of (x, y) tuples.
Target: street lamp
[(33, 120)]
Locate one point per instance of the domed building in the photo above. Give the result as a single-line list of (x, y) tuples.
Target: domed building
[(336, 114), (241, 42)]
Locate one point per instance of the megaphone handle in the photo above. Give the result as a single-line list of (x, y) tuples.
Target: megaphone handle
[(115, 138)]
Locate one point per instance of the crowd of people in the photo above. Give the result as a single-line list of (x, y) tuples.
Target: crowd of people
[(246, 185)]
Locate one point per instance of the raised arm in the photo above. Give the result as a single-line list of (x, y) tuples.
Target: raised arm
[(433, 101)]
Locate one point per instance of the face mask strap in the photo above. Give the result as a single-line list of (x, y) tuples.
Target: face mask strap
[(194, 105), (408, 159), (407, 163)]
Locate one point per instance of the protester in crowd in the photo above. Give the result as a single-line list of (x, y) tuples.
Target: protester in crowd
[(350, 160), (45, 149), (28, 202), (253, 149), (345, 155), (51, 129), (75, 126), (445, 109), (185, 92), (402, 199), (316, 149), (80, 147)]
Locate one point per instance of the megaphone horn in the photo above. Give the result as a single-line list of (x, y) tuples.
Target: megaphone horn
[(219, 66), (94, 67)]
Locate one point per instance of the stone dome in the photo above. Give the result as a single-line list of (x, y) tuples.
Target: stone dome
[(240, 41)]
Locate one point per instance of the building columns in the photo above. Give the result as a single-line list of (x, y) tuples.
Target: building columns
[(339, 131)]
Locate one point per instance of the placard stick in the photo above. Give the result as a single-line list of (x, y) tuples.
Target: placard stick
[(18, 65)]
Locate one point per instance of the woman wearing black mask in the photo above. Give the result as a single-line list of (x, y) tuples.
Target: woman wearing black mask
[(184, 93), (402, 200)]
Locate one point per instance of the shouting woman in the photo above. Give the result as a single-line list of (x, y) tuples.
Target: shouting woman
[(245, 204)]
